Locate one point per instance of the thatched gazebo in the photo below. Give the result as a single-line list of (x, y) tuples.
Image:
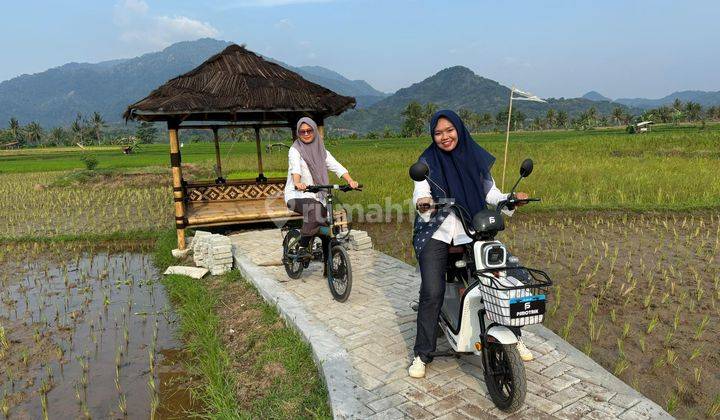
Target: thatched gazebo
[(232, 89)]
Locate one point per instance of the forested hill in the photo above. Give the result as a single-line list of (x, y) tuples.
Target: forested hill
[(459, 88), (54, 97)]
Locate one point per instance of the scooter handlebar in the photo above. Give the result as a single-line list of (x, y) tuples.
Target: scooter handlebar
[(344, 188)]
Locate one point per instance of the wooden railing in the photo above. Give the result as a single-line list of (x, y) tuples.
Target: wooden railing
[(210, 191)]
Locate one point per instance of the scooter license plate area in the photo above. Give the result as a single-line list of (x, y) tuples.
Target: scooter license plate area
[(527, 306)]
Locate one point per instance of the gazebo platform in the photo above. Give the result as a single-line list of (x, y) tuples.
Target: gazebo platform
[(249, 211)]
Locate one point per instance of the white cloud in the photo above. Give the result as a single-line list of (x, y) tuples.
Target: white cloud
[(284, 24), (126, 10), (138, 25), (269, 3), (136, 6)]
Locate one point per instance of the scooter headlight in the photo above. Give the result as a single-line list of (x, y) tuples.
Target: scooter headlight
[(495, 256)]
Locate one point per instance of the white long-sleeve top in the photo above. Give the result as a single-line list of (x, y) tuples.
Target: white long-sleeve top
[(297, 165), (451, 230)]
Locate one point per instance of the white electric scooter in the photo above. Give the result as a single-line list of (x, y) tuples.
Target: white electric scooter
[(488, 296)]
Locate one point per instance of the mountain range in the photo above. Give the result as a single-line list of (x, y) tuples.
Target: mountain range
[(55, 96), (457, 88), (702, 97)]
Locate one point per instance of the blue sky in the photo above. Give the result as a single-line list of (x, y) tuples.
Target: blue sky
[(552, 48)]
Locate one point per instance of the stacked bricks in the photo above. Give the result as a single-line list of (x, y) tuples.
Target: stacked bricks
[(359, 240), (213, 252)]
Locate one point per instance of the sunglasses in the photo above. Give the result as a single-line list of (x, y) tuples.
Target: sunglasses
[(306, 132)]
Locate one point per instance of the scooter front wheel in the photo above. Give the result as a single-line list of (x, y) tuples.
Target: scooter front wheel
[(505, 376), (291, 246), (339, 273)]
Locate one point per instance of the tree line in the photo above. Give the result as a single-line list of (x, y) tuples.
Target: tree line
[(416, 117), (84, 130), (682, 112)]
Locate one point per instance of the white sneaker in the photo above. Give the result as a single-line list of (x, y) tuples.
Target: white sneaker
[(525, 354), (417, 369)]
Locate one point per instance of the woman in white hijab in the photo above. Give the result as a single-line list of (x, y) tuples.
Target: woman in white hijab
[(308, 164)]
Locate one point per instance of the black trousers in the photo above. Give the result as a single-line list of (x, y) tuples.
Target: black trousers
[(433, 269)]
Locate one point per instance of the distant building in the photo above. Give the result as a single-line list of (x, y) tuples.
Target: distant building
[(643, 126)]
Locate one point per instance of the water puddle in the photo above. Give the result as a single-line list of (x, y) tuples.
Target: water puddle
[(87, 333)]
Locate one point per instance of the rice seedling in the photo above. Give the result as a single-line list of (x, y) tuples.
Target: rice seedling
[(122, 405), (714, 408), (701, 327), (668, 337), (672, 403), (671, 357), (620, 366), (653, 323), (5, 406)]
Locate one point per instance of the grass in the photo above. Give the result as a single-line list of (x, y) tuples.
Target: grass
[(672, 168), (271, 375), (200, 330)]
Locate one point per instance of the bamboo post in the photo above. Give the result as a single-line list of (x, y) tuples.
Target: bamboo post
[(261, 176), (218, 164), (178, 191), (507, 139)]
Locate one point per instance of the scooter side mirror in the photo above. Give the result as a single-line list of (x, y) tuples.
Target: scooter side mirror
[(526, 168), (419, 171)]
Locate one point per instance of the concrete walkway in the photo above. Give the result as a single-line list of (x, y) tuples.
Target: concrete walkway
[(363, 348)]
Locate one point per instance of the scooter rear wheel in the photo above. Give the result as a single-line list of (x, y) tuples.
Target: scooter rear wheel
[(339, 273), (505, 376), (291, 246)]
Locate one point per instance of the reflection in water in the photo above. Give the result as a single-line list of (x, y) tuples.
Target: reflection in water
[(87, 335)]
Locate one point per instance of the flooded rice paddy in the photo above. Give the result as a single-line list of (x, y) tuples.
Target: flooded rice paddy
[(86, 332)]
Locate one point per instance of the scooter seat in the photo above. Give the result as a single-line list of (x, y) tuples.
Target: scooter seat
[(456, 250)]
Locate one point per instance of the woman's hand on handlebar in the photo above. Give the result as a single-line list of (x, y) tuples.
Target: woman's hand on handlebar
[(353, 184), (521, 196), (425, 204), (300, 186)]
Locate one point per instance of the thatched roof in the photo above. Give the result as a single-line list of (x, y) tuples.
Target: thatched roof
[(238, 85)]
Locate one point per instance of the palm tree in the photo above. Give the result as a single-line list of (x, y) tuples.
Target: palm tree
[(57, 135), (97, 125), (486, 119), (430, 109), (561, 119), (468, 117), (617, 114), (414, 120), (77, 129), (536, 124), (550, 118), (518, 117), (711, 112), (664, 113), (34, 132), (693, 110), (677, 104), (14, 127)]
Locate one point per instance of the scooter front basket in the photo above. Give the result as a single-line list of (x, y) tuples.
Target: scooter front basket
[(514, 296)]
